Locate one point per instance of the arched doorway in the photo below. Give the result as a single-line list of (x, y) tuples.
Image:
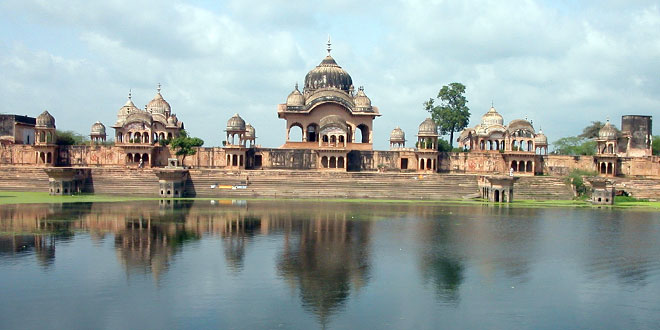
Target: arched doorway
[(296, 132)]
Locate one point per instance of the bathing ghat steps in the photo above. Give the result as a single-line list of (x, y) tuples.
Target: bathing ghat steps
[(292, 184)]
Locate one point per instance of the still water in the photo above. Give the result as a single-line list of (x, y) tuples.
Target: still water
[(305, 265)]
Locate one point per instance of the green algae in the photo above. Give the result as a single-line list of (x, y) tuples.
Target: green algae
[(16, 197)]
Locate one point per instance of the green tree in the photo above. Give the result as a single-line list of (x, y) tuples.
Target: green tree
[(574, 145), (452, 115), (443, 145), (185, 145), (656, 145), (68, 138)]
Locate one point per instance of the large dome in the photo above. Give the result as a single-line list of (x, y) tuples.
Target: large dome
[(333, 121), (158, 104), (328, 74), (428, 127), (46, 120), (236, 123), (492, 117), (608, 132)]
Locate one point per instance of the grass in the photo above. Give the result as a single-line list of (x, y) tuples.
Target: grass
[(14, 197)]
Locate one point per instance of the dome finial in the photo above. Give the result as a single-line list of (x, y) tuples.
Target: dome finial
[(158, 89), (130, 94), (296, 85), (608, 119), (492, 103), (329, 44)]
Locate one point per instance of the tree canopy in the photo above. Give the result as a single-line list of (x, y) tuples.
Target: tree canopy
[(68, 138), (591, 131), (452, 114), (185, 145), (574, 145), (656, 145)]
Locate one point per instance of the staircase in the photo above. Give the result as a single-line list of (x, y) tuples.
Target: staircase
[(542, 188)]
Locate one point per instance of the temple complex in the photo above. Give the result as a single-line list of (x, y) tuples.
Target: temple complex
[(332, 124)]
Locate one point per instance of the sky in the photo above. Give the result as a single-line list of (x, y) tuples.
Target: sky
[(561, 64)]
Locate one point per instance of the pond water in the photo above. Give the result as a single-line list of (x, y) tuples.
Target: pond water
[(305, 265)]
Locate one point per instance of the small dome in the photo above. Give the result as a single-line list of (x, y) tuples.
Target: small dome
[(236, 123), (397, 135), (127, 108), (328, 74), (608, 132), (46, 120), (249, 131), (428, 127), (98, 128), (362, 102), (295, 99), (540, 138), (171, 120), (492, 117), (158, 104)]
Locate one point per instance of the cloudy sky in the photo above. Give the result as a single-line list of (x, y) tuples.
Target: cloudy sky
[(558, 63)]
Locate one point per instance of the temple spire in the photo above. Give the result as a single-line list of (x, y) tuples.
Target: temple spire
[(329, 45), (158, 89), (130, 94)]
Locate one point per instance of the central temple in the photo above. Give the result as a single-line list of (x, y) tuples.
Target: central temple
[(330, 117)]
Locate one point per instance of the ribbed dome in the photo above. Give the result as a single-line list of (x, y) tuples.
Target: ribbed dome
[(428, 127), (362, 102), (45, 120), (127, 108), (158, 104), (397, 135), (236, 123), (540, 138), (608, 132), (172, 120), (249, 131), (98, 128), (492, 117), (328, 74), (295, 99)]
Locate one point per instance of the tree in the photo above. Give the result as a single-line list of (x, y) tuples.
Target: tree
[(443, 145), (185, 145), (574, 145), (67, 138), (656, 145), (452, 115)]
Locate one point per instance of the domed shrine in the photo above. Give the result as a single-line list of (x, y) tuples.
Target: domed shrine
[(328, 113), (138, 131)]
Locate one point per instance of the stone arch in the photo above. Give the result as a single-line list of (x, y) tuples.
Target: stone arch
[(324, 161), (333, 162), (529, 166), (145, 158), (364, 133), (129, 158), (312, 132), (295, 132), (340, 162), (514, 165)]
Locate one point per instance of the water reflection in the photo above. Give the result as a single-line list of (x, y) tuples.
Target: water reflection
[(329, 254)]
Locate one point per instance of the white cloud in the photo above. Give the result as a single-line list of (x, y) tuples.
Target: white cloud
[(547, 60)]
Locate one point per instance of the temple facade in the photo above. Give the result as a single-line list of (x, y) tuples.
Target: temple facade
[(329, 127)]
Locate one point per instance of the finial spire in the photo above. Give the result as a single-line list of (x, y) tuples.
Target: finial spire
[(296, 85), (608, 119), (329, 45), (130, 94), (492, 103), (158, 89)]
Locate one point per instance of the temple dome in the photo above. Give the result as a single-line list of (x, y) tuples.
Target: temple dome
[(362, 102), (492, 117), (608, 132), (158, 104), (428, 127), (249, 131), (328, 74), (295, 99), (236, 123), (46, 120), (540, 138), (98, 128), (397, 135)]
